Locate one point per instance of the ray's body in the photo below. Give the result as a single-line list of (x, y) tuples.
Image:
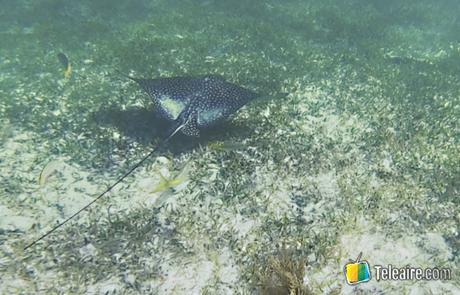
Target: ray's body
[(194, 104)]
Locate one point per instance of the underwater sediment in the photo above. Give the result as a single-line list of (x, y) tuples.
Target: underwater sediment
[(361, 155)]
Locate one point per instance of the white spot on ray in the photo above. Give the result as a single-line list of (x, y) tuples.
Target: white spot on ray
[(172, 107), (209, 116)]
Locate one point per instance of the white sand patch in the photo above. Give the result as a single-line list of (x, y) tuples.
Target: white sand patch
[(279, 204), (108, 287), (327, 184), (189, 278), (12, 222), (202, 272), (277, 198), (228, 272), (13, 285), (244, 225)]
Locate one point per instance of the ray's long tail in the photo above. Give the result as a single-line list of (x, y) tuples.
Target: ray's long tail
[(153, 151)]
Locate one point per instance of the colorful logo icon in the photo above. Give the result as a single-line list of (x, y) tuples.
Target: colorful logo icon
[(357, 271)]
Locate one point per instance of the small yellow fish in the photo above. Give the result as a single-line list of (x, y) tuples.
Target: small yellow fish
[(172, 182), (225, 146), (66, 63), (167, 183), (47, 171)]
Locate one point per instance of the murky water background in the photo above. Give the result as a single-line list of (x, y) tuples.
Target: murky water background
[(354, 147)]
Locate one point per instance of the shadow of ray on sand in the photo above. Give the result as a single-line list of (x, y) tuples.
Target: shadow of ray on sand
[(142, 126)]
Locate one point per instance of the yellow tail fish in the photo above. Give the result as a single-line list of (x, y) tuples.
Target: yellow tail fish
[(66, 63)]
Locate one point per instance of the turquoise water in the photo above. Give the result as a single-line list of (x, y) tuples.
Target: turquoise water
[(354, 146)]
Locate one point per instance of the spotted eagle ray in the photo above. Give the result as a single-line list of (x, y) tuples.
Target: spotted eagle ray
[(190, 105), (194, 104)]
